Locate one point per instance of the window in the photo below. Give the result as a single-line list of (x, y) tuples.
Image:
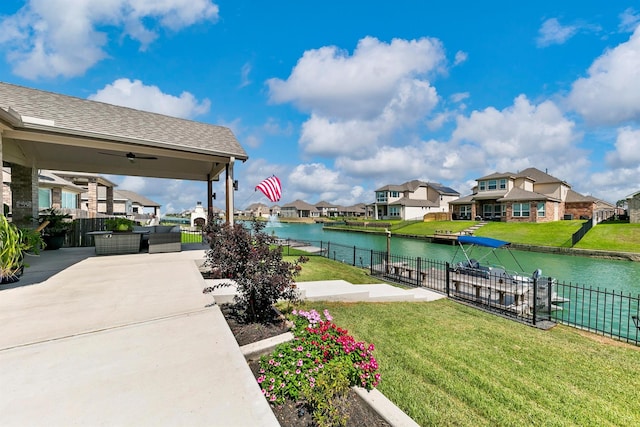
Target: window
[(394, 210), (482, 185), (503, 184), (541, 212), (521, 210), (69, 200), (465, 210), (487, 210), (492, 184), (44, 198), (395, 194), (381, 196)]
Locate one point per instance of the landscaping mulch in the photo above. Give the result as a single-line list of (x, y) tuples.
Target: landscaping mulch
[(295, 414)]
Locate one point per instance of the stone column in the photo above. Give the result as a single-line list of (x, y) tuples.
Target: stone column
[(92, 196), (56, 197), (24, 187), (109, 200)]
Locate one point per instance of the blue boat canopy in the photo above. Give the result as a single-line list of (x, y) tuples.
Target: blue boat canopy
[(482, 241)]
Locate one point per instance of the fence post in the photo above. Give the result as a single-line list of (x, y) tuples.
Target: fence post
[(535, 300), (549, 294), (354, 255), (418, 271), (371, 262), (447, 278)]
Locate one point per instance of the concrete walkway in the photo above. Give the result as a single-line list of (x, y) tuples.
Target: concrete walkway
[(121, 340), (131, 340)]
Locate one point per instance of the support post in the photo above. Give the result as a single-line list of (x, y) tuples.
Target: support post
[(229, 190)]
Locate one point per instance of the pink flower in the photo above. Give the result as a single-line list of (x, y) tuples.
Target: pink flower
[(300, 362)]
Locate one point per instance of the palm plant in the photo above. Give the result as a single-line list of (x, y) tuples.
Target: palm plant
[(12, 248)]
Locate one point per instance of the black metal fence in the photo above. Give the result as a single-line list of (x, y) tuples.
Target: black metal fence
[(527, 299)]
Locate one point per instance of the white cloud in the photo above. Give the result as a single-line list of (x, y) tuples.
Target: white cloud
[(629, 20), (519, 131), (615, 184), (552, 32), (135, 94), (609, 95), (329, 82), (627, 152), (50, 38), (460, 57), (244, 75), (521, 136)]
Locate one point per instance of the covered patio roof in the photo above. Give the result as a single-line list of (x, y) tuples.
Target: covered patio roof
[(46, 130)]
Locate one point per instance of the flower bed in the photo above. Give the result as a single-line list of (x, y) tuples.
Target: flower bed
[(318, 367)]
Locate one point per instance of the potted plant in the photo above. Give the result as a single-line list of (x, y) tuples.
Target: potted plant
[(57, 226), (12, 248), (119, 224)]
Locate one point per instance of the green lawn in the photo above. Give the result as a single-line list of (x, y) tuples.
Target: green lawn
[(320, 268), (612, 236), (555, 233), (447, 364)]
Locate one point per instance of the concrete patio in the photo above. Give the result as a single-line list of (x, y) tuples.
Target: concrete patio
[(121, 340), (132, 340)]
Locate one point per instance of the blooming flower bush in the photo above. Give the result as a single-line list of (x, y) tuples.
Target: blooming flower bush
[(322, 356)]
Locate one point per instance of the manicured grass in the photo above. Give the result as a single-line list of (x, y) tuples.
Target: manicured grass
[(447, 364), (320, 268), (555, 233), (612, 236)]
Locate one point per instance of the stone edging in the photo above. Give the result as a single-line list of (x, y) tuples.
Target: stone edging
[(376, 400)]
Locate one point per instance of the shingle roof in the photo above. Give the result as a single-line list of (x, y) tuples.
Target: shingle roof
[(81, 115), (518, 194), (300, 205), (415, 184), (405, 201), (135, 197), (538, 176)]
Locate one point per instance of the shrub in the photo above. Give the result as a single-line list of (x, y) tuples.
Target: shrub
[(318, 366), (251, 259)]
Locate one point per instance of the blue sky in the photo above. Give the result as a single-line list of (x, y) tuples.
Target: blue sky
[(340, 98)]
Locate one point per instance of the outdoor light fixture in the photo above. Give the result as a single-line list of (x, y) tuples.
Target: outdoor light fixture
[(213, 196), (235, 185)]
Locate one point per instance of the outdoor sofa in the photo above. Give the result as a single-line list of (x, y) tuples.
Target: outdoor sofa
[(160, 238)]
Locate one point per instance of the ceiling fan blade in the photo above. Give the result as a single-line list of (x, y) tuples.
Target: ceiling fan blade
[(130, 156)]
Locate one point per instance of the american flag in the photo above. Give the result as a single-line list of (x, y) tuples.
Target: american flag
[(271, 188)]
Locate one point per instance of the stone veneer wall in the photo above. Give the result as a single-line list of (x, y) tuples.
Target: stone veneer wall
[(633, 207), (24, 186)]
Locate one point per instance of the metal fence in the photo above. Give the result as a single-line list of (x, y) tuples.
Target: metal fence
[(531, 301), (602, 311)]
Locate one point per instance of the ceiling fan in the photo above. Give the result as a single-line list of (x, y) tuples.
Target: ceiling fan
[(132, 157)]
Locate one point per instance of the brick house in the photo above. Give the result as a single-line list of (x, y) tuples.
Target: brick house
[(528, 196), (633, 207)]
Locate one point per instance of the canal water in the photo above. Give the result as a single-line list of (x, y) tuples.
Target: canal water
[(621, 276)]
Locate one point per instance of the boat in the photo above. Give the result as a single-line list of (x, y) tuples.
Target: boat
[(479, 280)]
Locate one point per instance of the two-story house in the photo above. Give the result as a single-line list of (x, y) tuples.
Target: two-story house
[(412, 200), (527, 196)]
